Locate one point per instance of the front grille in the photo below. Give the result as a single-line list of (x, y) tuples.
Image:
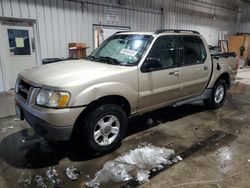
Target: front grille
[(23, 89)]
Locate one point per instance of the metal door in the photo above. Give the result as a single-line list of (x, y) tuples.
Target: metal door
[(18, 52), (197, 66), (160, 87)]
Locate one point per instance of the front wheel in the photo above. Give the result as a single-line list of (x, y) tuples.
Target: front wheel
[(217, 95), (103, 128)]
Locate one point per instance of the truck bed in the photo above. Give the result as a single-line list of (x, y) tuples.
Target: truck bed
[(223, 55)]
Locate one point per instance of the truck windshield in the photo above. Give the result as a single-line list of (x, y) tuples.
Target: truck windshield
[(125, 49)]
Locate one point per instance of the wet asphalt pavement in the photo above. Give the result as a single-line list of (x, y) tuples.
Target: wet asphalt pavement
[(224, 163)]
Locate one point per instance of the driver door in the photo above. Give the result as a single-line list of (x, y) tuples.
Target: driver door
[(161, 85)]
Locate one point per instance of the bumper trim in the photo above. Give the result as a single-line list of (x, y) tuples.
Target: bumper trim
[(47, 130)]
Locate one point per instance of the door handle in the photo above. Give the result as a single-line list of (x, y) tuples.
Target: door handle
[(198, 69), (175, 73)]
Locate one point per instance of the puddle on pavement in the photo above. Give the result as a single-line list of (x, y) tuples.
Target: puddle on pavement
[(238, 89), (32, 151), (209, 142)]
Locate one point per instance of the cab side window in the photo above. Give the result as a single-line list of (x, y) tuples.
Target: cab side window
[(194, 50), (165, 49)]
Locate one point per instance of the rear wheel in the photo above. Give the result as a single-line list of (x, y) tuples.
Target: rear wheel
[(103, 128), (217, 95)]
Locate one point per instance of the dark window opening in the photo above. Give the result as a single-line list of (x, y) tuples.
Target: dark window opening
[(194, 50), (165, 49)]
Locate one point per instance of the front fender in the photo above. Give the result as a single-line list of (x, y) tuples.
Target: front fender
[(96, 91)]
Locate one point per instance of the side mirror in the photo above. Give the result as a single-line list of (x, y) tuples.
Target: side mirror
[(151, 64)]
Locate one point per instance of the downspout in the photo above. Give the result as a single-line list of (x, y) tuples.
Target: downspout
[(163, 15), (238, 23)]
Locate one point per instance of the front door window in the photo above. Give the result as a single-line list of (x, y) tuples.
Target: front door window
[(166, 50)]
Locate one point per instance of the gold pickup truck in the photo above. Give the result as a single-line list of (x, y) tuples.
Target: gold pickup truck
[(129, 74)]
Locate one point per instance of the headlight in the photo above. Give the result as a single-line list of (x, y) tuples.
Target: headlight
[(54, 99), (43, 97)]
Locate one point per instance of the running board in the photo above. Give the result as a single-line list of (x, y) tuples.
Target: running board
[(205, 95)]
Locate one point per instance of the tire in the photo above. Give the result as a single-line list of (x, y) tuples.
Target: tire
[(109, 123), (217, 95)]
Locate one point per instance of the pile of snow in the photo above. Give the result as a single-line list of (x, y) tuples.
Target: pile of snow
[(40, 182), (176, 159), (141, 160), (53, 176), (4, 129), (25, 179), (72, 173)]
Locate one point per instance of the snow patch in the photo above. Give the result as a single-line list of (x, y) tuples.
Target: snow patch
[(4, 129), (25, 179), (143, 175), (139, 160), (53, 176), (40, 182), (176, 159), (72, 173)]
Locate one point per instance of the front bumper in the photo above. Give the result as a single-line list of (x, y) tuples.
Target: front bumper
[(47, 130), (53, 124)]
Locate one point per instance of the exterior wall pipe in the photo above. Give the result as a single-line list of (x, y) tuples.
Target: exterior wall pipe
[(113, 6)]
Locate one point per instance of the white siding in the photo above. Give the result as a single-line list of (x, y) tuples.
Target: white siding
[(62, 21), (244, 20), (198, 16)]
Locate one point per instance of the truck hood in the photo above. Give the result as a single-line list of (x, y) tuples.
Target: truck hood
[(69, 73)]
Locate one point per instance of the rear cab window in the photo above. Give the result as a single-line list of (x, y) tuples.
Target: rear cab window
[(194, 51)]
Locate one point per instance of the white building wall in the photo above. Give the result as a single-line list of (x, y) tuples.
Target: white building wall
[(62, 21), (201, 16), (244, 19)]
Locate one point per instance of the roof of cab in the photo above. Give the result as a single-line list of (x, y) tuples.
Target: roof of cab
[(135, 32), (161, 31)]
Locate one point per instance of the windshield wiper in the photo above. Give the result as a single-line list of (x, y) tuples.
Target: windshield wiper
[(91, 57), (110, 60), (105, 59)]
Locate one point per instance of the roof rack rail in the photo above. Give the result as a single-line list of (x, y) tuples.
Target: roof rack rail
[(175, 31), (125, 31)]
